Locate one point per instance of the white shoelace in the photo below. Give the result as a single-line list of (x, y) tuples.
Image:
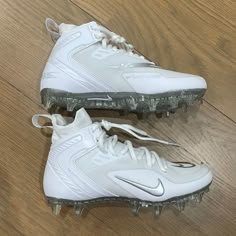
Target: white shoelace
[(108, 143), (114, 41)]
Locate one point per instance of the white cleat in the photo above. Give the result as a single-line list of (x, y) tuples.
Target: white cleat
[(93, 67), (87, 166)]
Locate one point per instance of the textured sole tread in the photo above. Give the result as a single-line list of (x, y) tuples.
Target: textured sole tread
[(130, 102), (135, 204)]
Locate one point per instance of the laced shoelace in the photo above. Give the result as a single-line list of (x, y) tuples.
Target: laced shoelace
[(114, 41), (108, 143)]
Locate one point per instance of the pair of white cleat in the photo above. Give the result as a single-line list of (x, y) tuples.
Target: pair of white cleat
[(92, 67)]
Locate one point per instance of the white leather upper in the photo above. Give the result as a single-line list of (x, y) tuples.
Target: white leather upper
[(80, 64), (78, 169)]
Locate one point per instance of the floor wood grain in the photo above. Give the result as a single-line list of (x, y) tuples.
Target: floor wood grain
[(205, 135)]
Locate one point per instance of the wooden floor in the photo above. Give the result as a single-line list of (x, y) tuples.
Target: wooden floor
[(194, 36)]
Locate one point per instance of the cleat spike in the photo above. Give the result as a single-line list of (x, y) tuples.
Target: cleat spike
[(56, 208), (180, 205), (143, 110), (57, 109), (165, 114), (71, 106), (157, 210), (135, 207), (192, 197), (201, 194), (207, 190), (79, 210), (144, 204), (199, 197), (184, 107), (47, 103), (135, 210), (186, 201)]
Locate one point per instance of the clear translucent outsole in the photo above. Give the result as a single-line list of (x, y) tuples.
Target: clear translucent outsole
[(135, 204), (128, 102)]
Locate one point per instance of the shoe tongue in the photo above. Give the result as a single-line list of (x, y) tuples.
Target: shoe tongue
[(82, 119), (64, 28), (64, 127)]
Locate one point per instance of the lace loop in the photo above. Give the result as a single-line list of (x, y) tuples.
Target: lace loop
[(111, 40), (108, 143), (135, 132)]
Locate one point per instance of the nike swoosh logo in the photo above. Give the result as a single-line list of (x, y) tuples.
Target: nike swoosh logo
[(108, 98), (183, 164), (156, 191), (134, 65)]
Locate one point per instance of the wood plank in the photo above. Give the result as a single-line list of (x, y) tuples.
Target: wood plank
[(189, 36), (25, 44)]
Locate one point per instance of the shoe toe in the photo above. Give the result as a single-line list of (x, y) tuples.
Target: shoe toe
[(162, 81)]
